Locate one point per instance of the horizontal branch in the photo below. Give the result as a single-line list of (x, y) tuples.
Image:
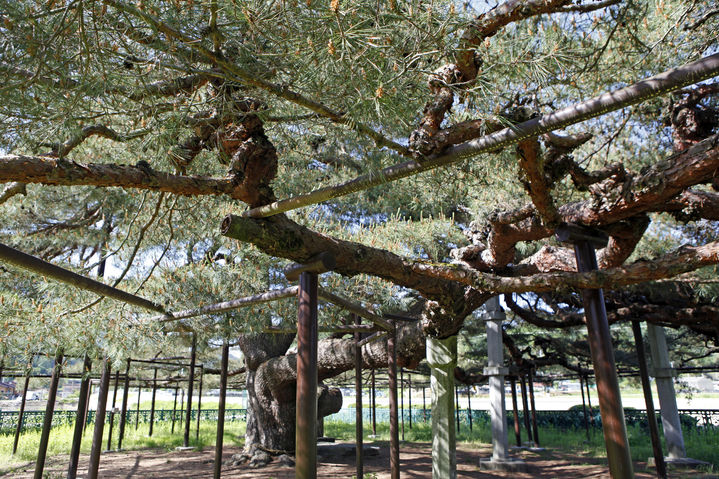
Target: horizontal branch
[(266, 297), (355, 308), (282, 237), (681, 261), (16, 188), (661, 188), (96, 130), (54, 171), (603, 104)]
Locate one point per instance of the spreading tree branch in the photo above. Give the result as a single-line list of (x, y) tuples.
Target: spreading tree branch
[(55, 171)]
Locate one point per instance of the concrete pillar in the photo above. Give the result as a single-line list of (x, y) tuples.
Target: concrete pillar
[(442, 359), (493, 315), (664, 375)]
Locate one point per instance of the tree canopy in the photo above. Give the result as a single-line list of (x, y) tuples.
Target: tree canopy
[(132, 129)]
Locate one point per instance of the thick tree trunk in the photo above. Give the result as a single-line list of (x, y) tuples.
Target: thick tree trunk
[(270, 420), (272, 376)]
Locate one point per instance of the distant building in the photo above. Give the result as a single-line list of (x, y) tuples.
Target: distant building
[(7, 389)]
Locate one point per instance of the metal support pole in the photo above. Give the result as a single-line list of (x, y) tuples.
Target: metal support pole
[(49, 411), (199, 404), (306, 399), (191, 380), (182, 407), (600, 346), (359, 440), (646, 387), (112, 411), (152, 402), (123, 412), (21, 413), (584, 405), (137, 411), (87, 408), (424, 403), (99, 421), (401, 400), (409, 384), (80, 415), (374, 406), (174, 407), (515, 411), (456, 408), (392, 382), (589, 401), (535, 430), (469, 407), (221, 410), (525, 407)]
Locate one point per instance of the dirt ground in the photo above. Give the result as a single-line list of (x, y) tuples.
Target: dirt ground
[(415, 461)]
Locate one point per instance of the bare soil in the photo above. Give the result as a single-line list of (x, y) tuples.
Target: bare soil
[(415, 461)]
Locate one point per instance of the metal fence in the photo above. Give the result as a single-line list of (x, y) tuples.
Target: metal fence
[(693, 420), (33, 419)]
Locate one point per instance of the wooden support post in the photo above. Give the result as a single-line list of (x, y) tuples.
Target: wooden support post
[(374, 406), (469, 406), (123, 412), (99, 420), (221, 410), (424, 403), (306, 418), (456, 408), (137, 411), (535, 430), (190, 381), (87, 408), (585, 240), (21, 413), (525, 407), (584, 405), (199, 404), (174, 407), (152, 401), (401, 399), (49, 411), (409, 386), (515, 412), (589, 401), (79, 417), (392, 380), (647, 389), (182, 407), (112, 410), (359, 430)]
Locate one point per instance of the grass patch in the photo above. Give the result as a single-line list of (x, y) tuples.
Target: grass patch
[(162, 437), (699, 444)]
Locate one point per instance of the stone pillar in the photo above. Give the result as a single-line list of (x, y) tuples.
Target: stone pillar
[(442, 359), (493, 315), (664, 375)]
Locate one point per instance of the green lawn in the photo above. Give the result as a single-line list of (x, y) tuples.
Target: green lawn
[(700, 445)]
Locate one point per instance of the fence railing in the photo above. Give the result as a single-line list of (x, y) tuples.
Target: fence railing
[(693, 420), (34, 419)]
